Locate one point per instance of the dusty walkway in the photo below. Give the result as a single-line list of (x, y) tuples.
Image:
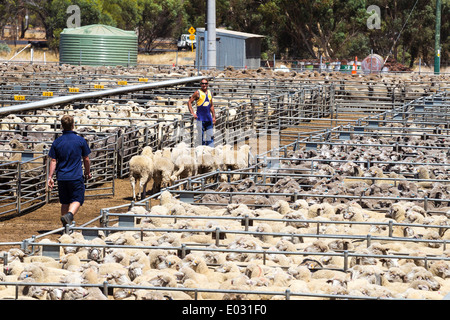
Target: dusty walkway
[(46, 218)]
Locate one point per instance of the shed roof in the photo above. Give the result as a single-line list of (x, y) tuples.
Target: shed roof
[(236, 34), (100, 30)]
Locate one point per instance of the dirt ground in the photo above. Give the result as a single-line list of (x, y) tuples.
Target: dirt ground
[(46, 218)]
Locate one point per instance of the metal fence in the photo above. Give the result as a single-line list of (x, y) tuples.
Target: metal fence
[(275, 113), (23, 186)]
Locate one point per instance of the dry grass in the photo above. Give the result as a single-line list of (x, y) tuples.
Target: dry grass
[(168, 58), (165, 58), (41, 55), (430, 69)]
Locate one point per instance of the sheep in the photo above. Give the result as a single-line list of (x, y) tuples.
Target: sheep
[(163, 169), (272, 217), (96, 253), (234, 159), (185, 162), (197, 264), (419, 273), (410, 216), (169, 239), (151, 295), (206, 159), (264, 228), (71, 262), (334, 277), (89, 272), (14, 254), (320, 209), (135, 270), (141, 169), (397, 212), (415, 294), (340, 245), (371, 273), (362, 287), (244, 243), (116, 256), (163, 279), (41, 273), (278, 258), (354, 212), (228, 270), (440, 269), (5, 153), (191, 279), (316, 246), (434, 236), (159, 259)]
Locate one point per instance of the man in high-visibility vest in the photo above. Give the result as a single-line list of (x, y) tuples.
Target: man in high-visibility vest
[(205, 114)]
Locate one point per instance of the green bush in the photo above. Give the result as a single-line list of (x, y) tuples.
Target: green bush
[(4, 48)]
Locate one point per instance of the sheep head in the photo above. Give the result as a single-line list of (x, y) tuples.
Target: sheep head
[(16, 145)]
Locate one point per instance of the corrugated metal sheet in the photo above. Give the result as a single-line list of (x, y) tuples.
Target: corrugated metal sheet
[(236, 49), (98, 45)]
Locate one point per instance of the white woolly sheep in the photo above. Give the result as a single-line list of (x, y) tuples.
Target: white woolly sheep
[(141, 169)]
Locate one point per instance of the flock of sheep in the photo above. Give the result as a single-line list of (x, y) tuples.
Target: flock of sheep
[(262, 246), (310, 248), (163, 167), (269, 261)]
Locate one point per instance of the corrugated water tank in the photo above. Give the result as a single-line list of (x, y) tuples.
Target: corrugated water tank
[(98, 45)]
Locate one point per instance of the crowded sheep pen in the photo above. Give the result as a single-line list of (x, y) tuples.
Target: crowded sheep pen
[(319, 187)]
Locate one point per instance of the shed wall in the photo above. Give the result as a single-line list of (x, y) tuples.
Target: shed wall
[(231, 50)]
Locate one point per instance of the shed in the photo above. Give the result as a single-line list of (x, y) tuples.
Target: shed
[(98, 45), (233, 48)]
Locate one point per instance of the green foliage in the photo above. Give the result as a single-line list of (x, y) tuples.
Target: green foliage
[(4, 48), (159, 19), (337, 29)]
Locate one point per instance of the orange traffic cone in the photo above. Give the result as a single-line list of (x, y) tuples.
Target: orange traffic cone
[(354, 70)]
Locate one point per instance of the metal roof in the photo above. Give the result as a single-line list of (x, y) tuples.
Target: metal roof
[(236, 34), (99, 30)]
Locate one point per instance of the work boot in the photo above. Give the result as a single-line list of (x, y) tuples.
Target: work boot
[(67, 218)]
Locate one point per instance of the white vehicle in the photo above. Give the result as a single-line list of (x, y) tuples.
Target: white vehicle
[(282, 68), (185, 43)]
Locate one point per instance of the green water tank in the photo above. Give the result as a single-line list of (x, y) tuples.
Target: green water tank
[(98, 45)]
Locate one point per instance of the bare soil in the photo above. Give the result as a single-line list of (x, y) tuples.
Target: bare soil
[(46, 218)]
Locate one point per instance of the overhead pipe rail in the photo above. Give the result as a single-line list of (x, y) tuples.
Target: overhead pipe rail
[(105, 213), (97, 94)]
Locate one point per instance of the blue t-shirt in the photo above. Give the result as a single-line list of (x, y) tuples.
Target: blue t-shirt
[(68, 150)]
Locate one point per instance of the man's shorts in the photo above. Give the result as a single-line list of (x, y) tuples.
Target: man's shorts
[(205, 133), (71, 191)]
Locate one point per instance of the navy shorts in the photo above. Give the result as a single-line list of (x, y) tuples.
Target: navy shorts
[(71, 191)]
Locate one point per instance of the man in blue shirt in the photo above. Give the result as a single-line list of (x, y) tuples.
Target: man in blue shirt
[(67, 154)]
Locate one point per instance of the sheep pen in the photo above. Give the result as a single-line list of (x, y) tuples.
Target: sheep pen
[(271, 230)]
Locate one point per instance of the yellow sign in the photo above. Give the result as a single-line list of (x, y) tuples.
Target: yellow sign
[(122, 83), (191, 30), (74, 89), (192, 37), (47, 94), (18, 97), (99, 86), (143, 79)]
